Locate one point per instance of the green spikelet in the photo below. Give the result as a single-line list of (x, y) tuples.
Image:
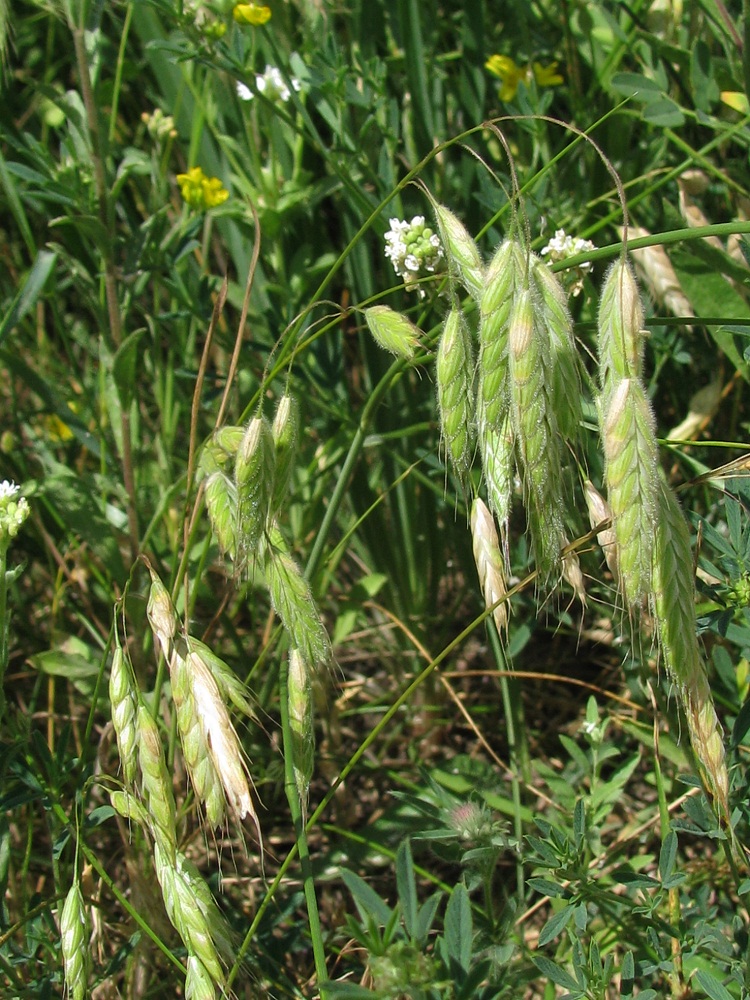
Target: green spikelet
[(632, 477), (221, 503), (74, 942), (253, 476), (538, 440), (564, 370), (294, 604), (498, 465), (123, 697), (673, 602), (494, 313), (464, 260), (300, 702), (454, 371), (285, 432), (393, 331), (620, 327)]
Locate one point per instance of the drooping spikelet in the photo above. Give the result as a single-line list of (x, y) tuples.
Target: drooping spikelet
[(632, 476), (538, 441), (254, 476), (498, 465), (294, 604), (160, 613), (156, 785), (655, 269), (300, 704), (620, 328), (454, 372), (505, 269), (123, 697), (673, 601), (221, 503), (74, 942), (464, 260), (551, 303), (285, 431), (489, 562), (393, 331), (599, 512)]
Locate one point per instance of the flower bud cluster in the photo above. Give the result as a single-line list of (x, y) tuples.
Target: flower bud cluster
[(415, 251)]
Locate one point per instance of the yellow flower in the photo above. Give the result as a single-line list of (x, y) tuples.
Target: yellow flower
[(201, 192), (547, 76), (251, 13), (511, 74)]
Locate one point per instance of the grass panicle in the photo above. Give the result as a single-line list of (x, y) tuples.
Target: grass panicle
[(464, 260), (299, 689), (74, 942), (496, 449), (454, 373), (222, 506), (156, 785), (632, 478), (673, 606), (489, 562)]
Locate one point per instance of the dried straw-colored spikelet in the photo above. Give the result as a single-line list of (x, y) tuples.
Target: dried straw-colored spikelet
[(673, 606), (564, 375), (454, 373), (703, 406), (572, 572), (123, 697), (599, 513), (655, 269), (254, 478), (464, 260), (74, 942), (300, 704), (489, 562), (539, 444), (294, 604)]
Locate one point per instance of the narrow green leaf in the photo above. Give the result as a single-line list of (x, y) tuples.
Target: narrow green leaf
[(555, 973), (667, 855), (407, 887), (712, 987), (458, 927), (555, 925), (27, 296)]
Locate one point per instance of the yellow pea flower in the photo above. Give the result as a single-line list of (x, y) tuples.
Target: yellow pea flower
[(251, 13), (200, 191), (511, 75)]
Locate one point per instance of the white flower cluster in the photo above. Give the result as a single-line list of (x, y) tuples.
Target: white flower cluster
[(562, 246), (414, 250), (13, 511), (271, 84)]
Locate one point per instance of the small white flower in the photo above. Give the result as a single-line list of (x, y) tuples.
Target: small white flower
[(271, 84), (414, 250), (8, 489), (562, 246)]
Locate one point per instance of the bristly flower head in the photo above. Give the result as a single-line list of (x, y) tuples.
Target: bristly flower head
[(255, 14), (201, 192), (414, 250), (562, 246), (511, 75), (13, 511), (271, 84)]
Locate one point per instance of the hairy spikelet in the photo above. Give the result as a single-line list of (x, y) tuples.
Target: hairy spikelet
[(198, 982), (161, 614), (454, 372), (538, 441), (498, 465), (198, 760), (129, 807), (231, 687), (300, 704), (221, 503), (253, 476), (123, 697), (74, 942), (393, 331), (599, 512), (285, 431), (673, 602), (156, 785), (572, 573), (564, 376), (489, 562), (495, 306), (620, 327), (294, 604), (632, 477), (464, 260)]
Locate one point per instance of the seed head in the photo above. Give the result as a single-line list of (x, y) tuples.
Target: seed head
[(393, 331)]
